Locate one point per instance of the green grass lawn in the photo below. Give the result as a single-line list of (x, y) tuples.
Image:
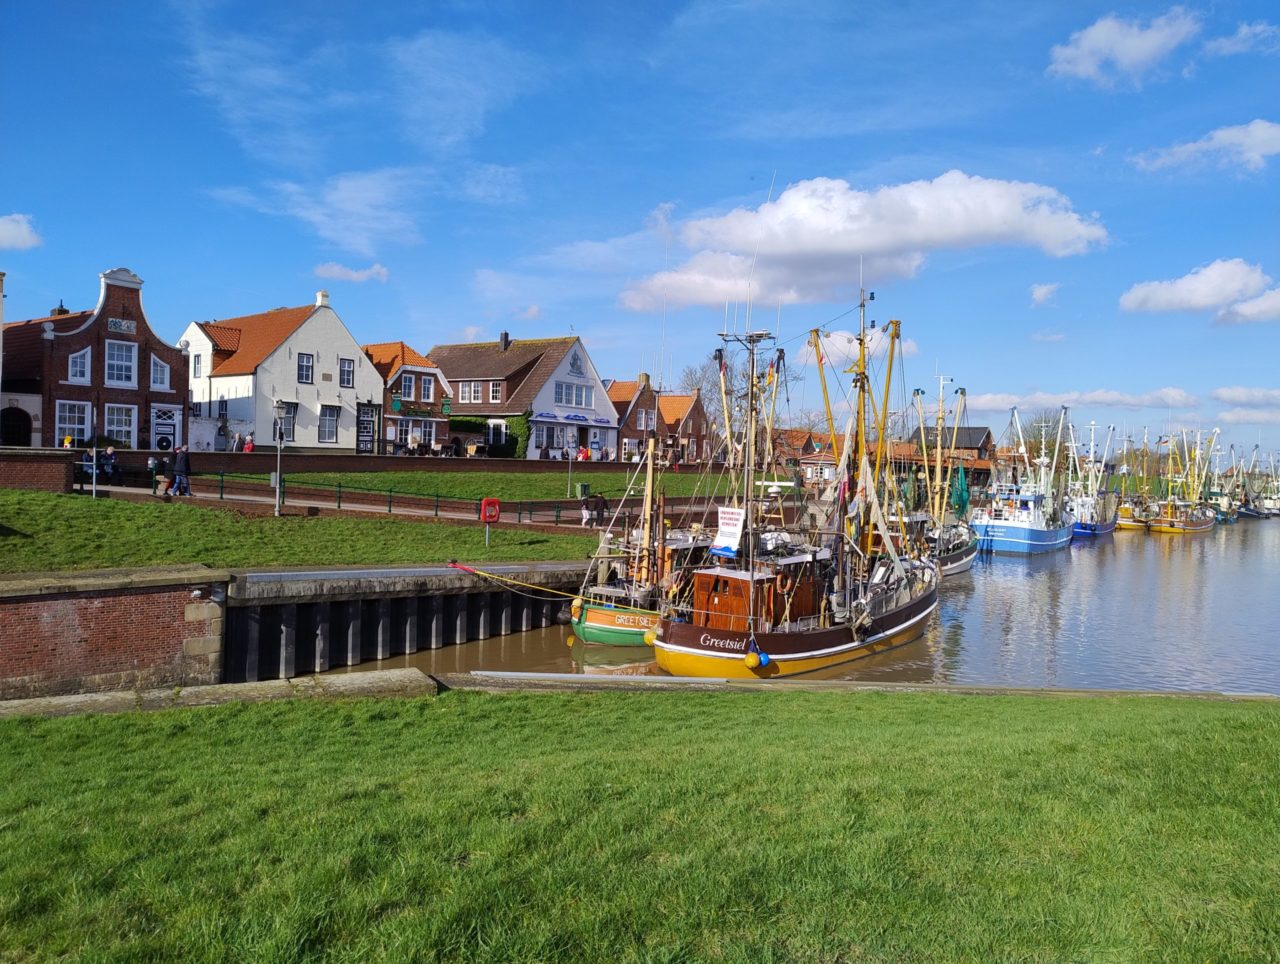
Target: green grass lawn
[(41, 532), (654, 826), (513, 486)]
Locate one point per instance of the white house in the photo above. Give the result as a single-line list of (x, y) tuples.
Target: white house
[(302, 356)]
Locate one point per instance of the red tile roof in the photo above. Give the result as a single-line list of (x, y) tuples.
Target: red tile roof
[(674, 408), (622, 392), (257, 336), (389, 356)]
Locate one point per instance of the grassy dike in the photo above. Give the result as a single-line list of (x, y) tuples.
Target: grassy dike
[(40, 532), (657, 826)]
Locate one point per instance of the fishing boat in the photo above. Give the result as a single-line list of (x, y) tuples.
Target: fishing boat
[(1136, 507), (1094, 509), (1022, 515), (618, 601), (777, 600), (1184, 510), (952, 543)]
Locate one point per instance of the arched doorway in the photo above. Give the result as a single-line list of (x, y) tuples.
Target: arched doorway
[(15, 427)]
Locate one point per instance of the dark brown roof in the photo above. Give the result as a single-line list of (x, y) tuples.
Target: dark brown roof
[(966, 437), (22, 348), (525, 365)]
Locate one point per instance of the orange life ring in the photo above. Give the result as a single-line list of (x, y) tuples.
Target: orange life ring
[(784, 582)]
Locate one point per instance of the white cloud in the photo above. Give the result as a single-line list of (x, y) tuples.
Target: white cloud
[(493, 184), (357, 211), (17, 234), (450, 83), (1159, 398), (1265, 307), (1238, 395), (1112, 46), (532, 313), (331, 269), (805, 245), (1049, 337), (1042, 294), (1210, 286), (1250, 416), (1246, 145), (1260, 36), (840, 348)]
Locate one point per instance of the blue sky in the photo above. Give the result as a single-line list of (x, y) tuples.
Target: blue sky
[(1063, 203)]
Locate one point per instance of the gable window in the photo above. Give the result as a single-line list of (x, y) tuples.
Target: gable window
[(407, 386), (159, 374), (329, 423), (195, 365), (428, 388), (575, 396), (122, 364), (121, 424), (346, 373), (306, 368), (71, 418), (78, 367)]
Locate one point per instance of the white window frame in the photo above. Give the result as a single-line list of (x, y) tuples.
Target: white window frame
[(495, 392), (82, 360), (408, 384), (62, 426), (130, 436), (403, 426), (310, 368), (195, 365), (346, 373), (428, 388), (324, 418), (132, 351), (495, 433), (161, 368)]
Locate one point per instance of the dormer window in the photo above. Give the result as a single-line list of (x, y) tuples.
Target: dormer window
[(78, 367), (407, 385), (495, 391), (159, 374), (428, 388)]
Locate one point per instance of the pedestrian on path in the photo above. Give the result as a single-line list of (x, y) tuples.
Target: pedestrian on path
[(586, 511), (182, 472)]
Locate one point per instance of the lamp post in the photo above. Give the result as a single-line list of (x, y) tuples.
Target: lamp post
[(279, 408)]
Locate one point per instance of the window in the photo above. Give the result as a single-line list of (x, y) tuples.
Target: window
[(122, 364), (222, 408), (196, 409), (306, 368), (78, 367), (290, 420), (641, 415), (195, 365), (346, 373), (539, 436), (576, 396), (72, 418), (495, 391), (121, 423), (428, 388), (159, 374), (402, 431), (470, 392), (406, 387), (496, 433), (329, 423)]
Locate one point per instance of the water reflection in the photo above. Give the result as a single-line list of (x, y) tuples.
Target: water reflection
[(1130, 611)]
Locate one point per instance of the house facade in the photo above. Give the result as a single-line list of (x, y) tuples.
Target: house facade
[(104, 373), (636, 403), (686, 434), (536, 398), (416, 402), (304, 357)]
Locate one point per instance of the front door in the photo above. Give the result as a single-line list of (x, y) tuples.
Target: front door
[(165, 434), (366, 425)]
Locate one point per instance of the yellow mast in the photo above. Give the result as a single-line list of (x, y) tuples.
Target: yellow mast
[(815, 341)]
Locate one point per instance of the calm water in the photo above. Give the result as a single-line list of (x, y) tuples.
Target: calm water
[(1131, 611)]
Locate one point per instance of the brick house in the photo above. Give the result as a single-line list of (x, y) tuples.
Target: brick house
[(528, 398), (686, 434), (637, 406), (105, 372), (414, 401), (304, 357)]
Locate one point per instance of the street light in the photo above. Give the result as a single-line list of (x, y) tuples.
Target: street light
[(279, 408)]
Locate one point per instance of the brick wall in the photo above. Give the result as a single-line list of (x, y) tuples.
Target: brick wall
[(48, 470), (94, 633)]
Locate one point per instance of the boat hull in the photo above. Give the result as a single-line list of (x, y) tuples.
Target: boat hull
[(1179, 527), (1090, 530), (958, 560), (613, 625), (1008, 538), (685, 649)]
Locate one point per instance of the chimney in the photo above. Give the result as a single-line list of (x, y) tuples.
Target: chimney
[(504, 340), (322, 299), (643, 379), (60, 310)]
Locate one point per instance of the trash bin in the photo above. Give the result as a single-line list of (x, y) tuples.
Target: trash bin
[(584, 489)]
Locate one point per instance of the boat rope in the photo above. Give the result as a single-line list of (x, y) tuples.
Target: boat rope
[(495, 577)]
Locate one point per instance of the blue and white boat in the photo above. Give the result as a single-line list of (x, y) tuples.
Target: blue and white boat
[(1095, 510), (1023, 517)]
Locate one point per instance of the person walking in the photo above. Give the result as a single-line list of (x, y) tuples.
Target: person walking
[(586, 511), (182, 472), (237, 443), (601, 508)]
